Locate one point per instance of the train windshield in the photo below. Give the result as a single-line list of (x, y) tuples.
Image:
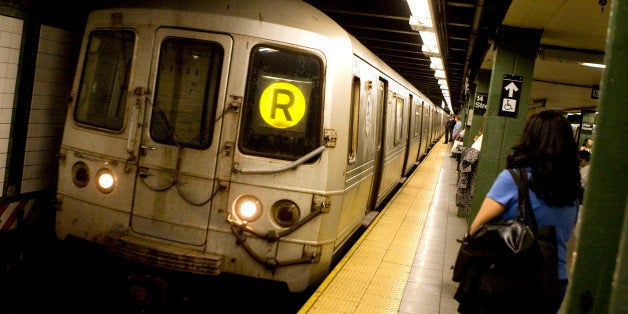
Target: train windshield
[(105, 79), (186, 92), (283, 104)]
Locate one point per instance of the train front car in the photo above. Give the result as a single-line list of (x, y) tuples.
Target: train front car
[(206, 137)]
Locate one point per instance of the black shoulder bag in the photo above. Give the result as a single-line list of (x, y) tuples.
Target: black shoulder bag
[(509, 266)]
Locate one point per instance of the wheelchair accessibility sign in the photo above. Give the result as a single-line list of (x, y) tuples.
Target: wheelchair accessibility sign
[(511, 92)]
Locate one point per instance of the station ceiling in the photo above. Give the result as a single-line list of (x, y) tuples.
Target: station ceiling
[(572, 31)]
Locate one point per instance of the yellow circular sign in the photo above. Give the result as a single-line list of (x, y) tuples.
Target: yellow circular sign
[(282, 105)]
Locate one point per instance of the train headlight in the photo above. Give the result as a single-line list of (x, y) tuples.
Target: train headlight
[(105, 180), (248, 208), (80, 174), (286, 213)]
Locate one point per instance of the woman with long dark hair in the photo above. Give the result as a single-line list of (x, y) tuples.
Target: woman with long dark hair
[(548, 152)]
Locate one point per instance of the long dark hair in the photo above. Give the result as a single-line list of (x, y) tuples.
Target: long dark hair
[(549, 148)]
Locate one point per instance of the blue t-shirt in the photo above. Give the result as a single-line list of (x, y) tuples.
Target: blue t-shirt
[(504, 191)]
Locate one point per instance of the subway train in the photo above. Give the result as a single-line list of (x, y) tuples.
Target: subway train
[(248, 137)]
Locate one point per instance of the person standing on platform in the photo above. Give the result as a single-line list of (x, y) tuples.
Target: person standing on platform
[(456, 130), (548, 152), (586, 145), (584, 157), (449, 128)]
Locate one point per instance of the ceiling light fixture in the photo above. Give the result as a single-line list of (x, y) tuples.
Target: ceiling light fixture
[(594, 65), (422, 22), (436, 63)]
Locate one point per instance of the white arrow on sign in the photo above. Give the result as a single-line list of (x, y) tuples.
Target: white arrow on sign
[(511, 88)]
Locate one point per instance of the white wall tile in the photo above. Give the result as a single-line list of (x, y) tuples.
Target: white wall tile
[(9, 84), (6, 114), (4, 145), (11, 71), (3, 69), (15, 41), (5, 39), (4, 53), (54, 73), (14, 56), (5, 128), (7, 100), (10, 43)]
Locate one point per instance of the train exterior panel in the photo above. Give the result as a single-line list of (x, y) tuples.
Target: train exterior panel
[(231, 136)]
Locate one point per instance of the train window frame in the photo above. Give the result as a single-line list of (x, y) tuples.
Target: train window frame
[(89, 101), (417, 118), (267, 67), (399, 106), (183, 133), (354, 120)]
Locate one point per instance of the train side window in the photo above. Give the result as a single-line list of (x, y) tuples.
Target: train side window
[(354, 120), (282, 112), (399, 104), (101, 100), (186, 92), (417, 119)]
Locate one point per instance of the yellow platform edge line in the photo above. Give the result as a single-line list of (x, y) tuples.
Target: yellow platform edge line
[(321, 288)]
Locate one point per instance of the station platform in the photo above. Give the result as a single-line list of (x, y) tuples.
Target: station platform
[(403, 262)]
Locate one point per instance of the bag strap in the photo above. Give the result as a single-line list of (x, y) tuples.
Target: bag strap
[(525, 209)]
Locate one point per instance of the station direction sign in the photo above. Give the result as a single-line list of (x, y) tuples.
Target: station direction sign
[(510, 95)]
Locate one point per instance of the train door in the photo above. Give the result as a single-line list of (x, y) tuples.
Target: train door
[(180, 136), (423, 135), (429, 125), (409, 136), (380, 126)]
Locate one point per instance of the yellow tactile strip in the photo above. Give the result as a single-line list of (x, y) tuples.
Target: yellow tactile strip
[(372, 276)]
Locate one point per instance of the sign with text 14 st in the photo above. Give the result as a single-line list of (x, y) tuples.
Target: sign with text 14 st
[(481, 101), (511, 92)]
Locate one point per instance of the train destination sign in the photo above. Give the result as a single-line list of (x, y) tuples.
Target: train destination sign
[(282, 105), (511, 92)]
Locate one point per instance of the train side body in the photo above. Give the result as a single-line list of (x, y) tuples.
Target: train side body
[(216, 136)]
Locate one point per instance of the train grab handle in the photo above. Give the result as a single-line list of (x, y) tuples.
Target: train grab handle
[(289, 166)]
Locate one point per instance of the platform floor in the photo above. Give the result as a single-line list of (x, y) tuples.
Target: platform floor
[(403, 262)]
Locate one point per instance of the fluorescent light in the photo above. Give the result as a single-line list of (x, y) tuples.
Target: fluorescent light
[(420, 13), (418, 22), (594, 65), (436, 63), (421, 21), (430, 43)]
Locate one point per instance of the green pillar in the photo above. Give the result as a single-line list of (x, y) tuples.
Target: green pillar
[(477, 121), (599, 282), (463, 113), (515, 52)]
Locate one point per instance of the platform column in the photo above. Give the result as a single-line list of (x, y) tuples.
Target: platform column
[(599, 282), (514, 55), (479, 100)]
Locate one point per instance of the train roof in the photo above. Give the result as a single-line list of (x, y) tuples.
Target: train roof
[(361, 51), (290, 13), (287, 14)]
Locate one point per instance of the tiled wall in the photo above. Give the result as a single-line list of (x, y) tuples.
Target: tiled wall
[(56, 61), (10, 40)]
